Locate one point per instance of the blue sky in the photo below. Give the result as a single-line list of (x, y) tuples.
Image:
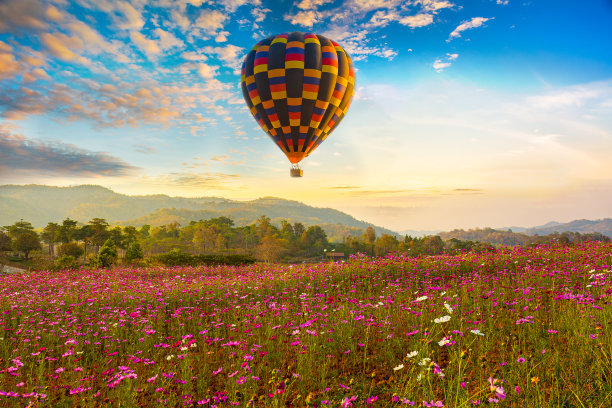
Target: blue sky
[(466, 114)]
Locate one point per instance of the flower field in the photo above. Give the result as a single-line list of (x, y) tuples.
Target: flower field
[(518, 327)]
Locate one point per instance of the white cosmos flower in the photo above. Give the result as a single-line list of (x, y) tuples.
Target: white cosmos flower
[(448, 307), (442, 319), (184, 348), (443, 342), (420, 299), (477, 332), (170, 357), (399, 367), (425, 361), (412, 354)]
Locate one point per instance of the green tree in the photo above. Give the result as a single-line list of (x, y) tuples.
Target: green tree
[(433, 244), (205, 237), (286, 231), (67, 230), (107, 254), (50, 236), (314, 240), (71, 249), (26, 241), (99, 231), (221, 222), (5, 245), (5, 242), (264, 226), (134, 252), (144, 231), (298, 230), (85, 235), (18, 227), (116, 234), (385, 243), (130, 234)]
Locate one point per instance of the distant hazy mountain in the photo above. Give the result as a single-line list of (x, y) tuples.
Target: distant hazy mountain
[(603, 226), (40, 204), (418, 233)]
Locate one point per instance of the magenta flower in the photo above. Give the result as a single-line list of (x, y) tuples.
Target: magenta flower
[(520, 360)]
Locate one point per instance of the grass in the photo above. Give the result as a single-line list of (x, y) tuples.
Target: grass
[(517, 328)]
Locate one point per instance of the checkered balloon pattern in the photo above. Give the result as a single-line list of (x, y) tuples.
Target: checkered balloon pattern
[(298, 87)]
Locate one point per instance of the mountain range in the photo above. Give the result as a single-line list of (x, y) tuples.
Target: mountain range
[(41, 204)]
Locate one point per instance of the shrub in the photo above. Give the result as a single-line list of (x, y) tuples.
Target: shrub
[(66, 262), (71, 249), (107, 255), (134, 252), (177, 258)]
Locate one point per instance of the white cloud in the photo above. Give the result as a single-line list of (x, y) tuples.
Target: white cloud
[(382, 18), (206, 71), (167, 40), (232, 5), (445, 62), (148, 46), (434, 5), (194, 56), (356, 44), (467, 25), (211, 21), (419, 20), (95, 43), (229, 54), (312, 4), (132, 19), (503, 2), (369, 5), (304, 18), (259, 13)]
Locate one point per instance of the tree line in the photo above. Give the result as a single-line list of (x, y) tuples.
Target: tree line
[(97, 243)]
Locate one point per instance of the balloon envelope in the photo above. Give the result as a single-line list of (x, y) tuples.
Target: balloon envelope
[(298, 87)]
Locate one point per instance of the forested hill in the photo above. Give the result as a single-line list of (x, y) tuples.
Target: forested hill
[(40, 204)]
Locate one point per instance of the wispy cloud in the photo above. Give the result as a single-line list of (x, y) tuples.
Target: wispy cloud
[(215, 181), (31, 156), (475, 22)]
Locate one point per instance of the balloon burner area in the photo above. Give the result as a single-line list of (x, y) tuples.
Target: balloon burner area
[(296, 171)]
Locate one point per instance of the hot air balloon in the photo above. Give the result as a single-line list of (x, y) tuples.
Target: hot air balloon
[(298, 87)]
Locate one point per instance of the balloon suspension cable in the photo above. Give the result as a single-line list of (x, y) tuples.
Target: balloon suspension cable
[(296, 170)]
